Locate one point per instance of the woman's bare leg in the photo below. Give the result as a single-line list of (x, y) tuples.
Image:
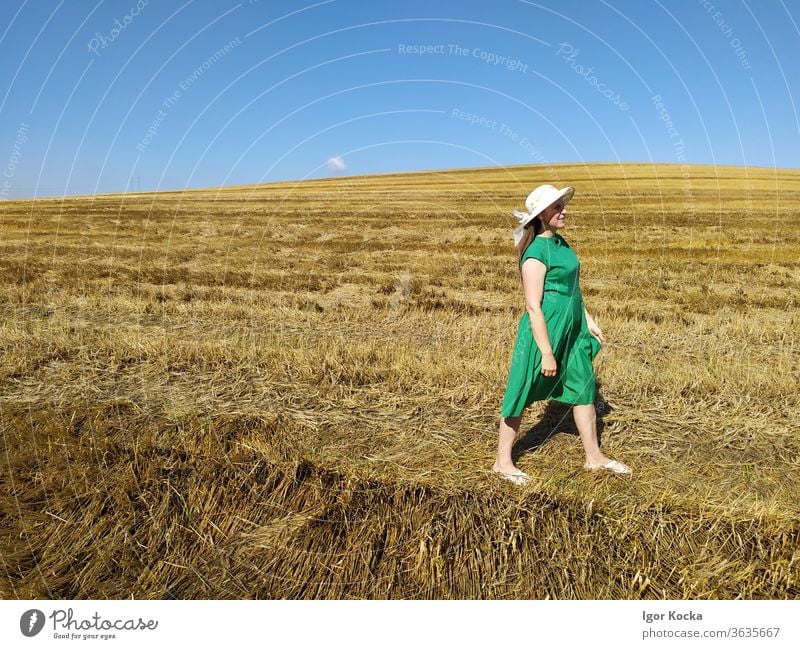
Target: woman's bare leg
[(507, 435), (586, 423)]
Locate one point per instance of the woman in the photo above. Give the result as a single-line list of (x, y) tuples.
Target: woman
[(559, 365)]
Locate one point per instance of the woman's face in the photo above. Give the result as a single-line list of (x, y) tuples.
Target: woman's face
[(553, 217)]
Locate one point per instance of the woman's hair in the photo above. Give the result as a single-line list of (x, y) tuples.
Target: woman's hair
[(529, 233)]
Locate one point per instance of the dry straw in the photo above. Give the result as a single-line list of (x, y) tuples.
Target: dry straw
[(203, 398)]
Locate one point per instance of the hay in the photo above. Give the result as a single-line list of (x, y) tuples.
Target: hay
[(204, 398)]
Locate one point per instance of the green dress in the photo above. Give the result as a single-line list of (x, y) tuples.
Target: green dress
[(573, 346)]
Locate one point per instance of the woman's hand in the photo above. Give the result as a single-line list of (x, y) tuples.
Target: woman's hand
[(593, 328), (549, 364), (596, 331)]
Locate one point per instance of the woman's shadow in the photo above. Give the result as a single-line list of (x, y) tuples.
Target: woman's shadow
[(557, 417)]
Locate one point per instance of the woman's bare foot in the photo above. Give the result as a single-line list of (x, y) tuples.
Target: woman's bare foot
[(596, 461), (505, 468), (603, 462), (511, 473)]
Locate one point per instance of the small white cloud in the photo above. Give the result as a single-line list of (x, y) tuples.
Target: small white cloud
[(336, 163)]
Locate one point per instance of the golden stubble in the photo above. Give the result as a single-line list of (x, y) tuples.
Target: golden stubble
[(293, 390)]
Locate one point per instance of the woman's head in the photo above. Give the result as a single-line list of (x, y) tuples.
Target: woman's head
[(546, 211), (553, 217)]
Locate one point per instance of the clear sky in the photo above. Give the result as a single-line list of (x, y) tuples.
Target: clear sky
[(108, 95)]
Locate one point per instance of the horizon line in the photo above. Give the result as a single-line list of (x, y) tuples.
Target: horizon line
[(383, 173)]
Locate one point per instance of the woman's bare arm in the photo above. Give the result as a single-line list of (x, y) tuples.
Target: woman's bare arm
[(592, 326), (533, 272)]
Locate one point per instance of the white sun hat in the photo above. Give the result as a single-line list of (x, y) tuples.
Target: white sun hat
[(538, 200)]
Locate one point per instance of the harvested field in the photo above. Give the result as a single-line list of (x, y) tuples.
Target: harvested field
[(293, 391)]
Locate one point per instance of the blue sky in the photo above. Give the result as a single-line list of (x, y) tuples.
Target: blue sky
[(105, 95)]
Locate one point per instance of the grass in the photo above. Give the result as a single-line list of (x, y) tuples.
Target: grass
[(293, 390)]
